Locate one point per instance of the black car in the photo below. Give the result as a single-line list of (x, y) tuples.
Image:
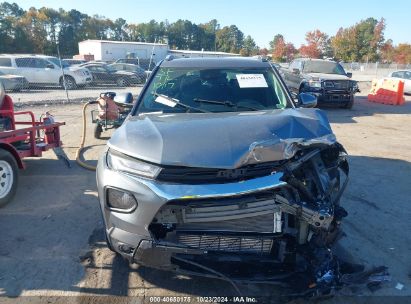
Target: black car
[(104, 74), (145, 64), (138, 71), (325, 79)]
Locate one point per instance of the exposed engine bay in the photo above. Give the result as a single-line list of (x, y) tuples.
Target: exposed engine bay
[(281, 232)]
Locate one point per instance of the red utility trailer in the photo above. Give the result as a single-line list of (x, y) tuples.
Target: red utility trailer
[(21, 138)]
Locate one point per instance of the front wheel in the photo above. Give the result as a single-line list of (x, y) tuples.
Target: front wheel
[(68, 82), (122, 82), (350, 103), (8, 177), (97, 131)]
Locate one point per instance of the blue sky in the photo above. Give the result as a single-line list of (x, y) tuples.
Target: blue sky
[(260, 19)]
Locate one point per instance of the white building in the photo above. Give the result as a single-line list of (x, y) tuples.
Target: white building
[(111, 50), (194, 54), (107, 50)]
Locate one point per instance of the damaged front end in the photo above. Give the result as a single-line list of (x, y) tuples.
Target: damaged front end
[(265, 234)]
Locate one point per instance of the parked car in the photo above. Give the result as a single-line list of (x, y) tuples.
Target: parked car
[(404, 75), (145, 64), (276, 65), (41, 70), (71, 62), (139, 72), (104, 74), (13, 82), (325, 79), (215, 166)]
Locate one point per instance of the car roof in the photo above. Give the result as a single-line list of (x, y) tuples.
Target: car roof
[(220, 62), (315, 59)]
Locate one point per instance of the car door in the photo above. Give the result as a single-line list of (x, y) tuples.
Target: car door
[(407, 82), (48, 73), (25, 66), (293, 81), (97, 74)]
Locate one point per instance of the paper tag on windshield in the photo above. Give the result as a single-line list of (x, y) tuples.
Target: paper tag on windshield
[(165, 101), (251, 81)]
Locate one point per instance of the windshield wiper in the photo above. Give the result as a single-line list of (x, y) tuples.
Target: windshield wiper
[(178, 103), (225, 103)]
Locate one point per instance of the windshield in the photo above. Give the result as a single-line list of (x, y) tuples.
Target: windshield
[(213, 90), (326, 67), (56, 61)]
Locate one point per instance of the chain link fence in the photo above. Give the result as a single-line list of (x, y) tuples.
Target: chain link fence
[(367, 71), (53, 79)]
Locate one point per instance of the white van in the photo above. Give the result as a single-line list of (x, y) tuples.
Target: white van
[(41, 70)]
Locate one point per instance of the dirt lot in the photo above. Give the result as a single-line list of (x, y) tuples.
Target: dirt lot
[(51, 241)]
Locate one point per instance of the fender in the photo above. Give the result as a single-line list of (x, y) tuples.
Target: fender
[(13, 152)]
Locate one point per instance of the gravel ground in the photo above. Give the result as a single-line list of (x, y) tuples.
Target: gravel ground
[(52, 243)]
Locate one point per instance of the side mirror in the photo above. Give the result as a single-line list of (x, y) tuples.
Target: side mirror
[(349, 75), (306, 100), (49, 66), (296, 71)]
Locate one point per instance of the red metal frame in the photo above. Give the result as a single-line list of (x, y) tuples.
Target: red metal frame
[(31, 144)]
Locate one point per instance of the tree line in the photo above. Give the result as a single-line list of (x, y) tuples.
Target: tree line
[(41, 30)]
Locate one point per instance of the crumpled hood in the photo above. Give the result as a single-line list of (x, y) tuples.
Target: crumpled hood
[(328, 76), (221, 140)]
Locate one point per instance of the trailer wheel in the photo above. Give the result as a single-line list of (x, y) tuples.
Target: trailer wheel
[(9, 173), (97, 131)]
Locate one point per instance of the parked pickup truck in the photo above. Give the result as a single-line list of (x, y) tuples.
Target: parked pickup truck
[(323, 78)]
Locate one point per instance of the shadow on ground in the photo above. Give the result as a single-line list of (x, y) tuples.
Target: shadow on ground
[(362, 107)]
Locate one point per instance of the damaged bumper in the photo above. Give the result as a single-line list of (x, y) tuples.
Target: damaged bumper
[(267, 221)]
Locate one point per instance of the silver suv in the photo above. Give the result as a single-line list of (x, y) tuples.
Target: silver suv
[(216, 167), (42, 70)]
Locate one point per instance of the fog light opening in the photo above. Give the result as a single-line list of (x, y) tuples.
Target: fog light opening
[(119, 200)]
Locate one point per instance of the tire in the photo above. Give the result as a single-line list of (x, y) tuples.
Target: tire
[(97, 131), (122, 82), (350, 104), (9, 176), (70, 83)]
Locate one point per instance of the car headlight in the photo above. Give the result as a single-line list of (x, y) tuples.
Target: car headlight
[(120, 162), (314, 84)]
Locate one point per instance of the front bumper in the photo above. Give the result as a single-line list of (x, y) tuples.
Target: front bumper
[(82, 79), (230, 222), (337, 98), (129, 234)]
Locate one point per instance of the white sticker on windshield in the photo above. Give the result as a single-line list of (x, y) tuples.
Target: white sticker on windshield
[(251, 81), (165, 101)]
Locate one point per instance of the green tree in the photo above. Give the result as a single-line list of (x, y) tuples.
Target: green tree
[(360, 42), (249, 47), (229, 39)]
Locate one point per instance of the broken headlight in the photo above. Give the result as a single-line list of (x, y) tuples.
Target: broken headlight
[(120, 162)]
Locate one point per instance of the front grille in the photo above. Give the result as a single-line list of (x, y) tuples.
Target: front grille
[(224, 243), (189, 175), (337, 84)]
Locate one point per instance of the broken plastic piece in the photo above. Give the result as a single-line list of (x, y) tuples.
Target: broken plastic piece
[(399, 286)]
